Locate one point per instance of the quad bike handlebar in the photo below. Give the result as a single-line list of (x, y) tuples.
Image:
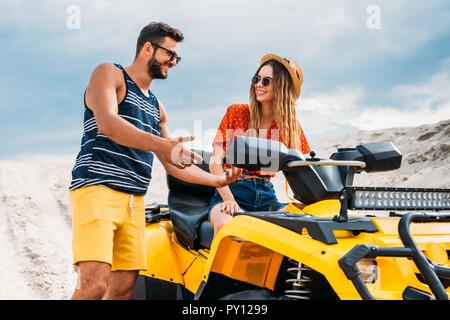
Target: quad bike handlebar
[(322, 162)]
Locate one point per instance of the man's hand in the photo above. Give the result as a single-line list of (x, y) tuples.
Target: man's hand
[(176, 154), (229, 176), (229, 207)]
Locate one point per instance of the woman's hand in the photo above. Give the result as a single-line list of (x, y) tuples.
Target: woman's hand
[(230, 207)]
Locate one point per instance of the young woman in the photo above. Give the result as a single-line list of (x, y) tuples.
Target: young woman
[(271, 114)]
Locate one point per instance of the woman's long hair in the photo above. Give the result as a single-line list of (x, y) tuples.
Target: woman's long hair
[(284, 106)]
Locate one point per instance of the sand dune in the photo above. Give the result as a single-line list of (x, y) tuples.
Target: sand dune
[(35, 219), (35, 231), (425, 152)]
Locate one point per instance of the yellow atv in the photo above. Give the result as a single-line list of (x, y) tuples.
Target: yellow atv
[(321, 247)]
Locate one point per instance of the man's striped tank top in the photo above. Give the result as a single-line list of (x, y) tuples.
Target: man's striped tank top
[(103, 162)]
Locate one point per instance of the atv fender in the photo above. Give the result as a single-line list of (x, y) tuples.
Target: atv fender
[(163, 261), (274, 243)]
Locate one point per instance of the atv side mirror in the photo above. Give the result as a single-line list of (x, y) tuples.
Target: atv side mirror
[(255, 154), (380, 156)]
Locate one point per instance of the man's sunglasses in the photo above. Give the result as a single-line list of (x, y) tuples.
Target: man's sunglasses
[(264, 81), (173, 55)]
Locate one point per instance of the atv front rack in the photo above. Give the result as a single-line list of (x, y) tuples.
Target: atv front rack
[(432, 273)]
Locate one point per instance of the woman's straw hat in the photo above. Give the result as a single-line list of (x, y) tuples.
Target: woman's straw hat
[(291, 66)]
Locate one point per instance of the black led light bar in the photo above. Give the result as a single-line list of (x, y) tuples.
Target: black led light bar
[(397, 199)]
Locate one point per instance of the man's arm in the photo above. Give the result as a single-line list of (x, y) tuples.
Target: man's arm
[(101, 98), (163, 121), (194, 174)]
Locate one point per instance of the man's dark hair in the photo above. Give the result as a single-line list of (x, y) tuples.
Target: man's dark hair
[(155, 32)]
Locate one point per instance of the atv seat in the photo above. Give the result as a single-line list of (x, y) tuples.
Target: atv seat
[(189, 204)]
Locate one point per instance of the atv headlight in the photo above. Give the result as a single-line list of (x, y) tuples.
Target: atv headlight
[(369, 270)]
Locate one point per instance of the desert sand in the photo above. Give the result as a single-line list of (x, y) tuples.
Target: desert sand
[(35, 218)]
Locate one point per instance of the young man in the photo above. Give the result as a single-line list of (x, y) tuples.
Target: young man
[(124, 124)]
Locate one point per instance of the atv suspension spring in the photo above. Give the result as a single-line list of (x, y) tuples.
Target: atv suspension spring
[(299, 289)]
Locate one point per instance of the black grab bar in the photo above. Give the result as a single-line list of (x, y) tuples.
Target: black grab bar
[(430, 272)]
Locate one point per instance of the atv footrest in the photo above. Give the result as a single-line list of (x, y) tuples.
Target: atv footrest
[(320, 229)]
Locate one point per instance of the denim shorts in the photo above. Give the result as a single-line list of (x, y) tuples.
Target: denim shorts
[(251, 195)]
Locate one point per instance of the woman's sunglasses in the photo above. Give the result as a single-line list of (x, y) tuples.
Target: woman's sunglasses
[(264, 81), (173, 56)]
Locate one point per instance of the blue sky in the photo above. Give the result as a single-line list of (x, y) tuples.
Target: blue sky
[(356, 77)]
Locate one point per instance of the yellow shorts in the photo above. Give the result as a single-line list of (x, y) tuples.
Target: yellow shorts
[(108, 226)]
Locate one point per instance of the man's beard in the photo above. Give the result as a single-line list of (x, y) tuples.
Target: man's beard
[(155, 69)]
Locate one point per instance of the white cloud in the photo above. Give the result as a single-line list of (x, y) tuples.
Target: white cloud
[(347, 108), (328, 113), (384, 117), (342, 99), (223, 43), (427, 93), (303, 28), (422, 103)]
